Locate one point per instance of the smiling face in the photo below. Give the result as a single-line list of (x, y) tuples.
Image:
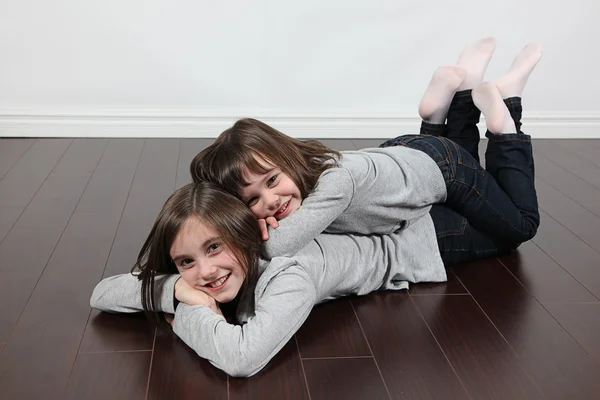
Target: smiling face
[(272, 194), (205, 262)]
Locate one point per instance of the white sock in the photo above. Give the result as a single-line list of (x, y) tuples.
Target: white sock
[(487, 98), (475, 59), (438, 95), (512, 84)]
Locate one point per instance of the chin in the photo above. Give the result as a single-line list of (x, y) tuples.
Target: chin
[(228, 296), (225, 298)]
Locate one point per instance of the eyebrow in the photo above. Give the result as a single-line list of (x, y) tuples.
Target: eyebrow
[(204, 244)]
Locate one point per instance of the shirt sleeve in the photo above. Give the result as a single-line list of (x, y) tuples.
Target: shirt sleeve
[(123, 294), (331, 197), (243, 350)]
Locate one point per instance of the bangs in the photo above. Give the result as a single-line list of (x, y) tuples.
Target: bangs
[(225, 227), (255, 164)]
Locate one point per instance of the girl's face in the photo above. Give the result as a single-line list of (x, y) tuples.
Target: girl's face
[(273, 194), (205, 263)]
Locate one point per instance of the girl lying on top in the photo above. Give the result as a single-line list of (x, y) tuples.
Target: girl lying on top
[(203, 250)]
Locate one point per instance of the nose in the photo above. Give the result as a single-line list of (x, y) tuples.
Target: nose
[(272, 201), (207, 272)]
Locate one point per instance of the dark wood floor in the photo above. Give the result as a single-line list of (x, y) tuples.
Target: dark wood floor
[(524, 326)]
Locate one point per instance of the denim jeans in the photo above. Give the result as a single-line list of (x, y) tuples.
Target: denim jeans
[(487, 211)]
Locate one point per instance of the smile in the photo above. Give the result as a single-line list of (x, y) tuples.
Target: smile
[(282, 209), (219, 283)]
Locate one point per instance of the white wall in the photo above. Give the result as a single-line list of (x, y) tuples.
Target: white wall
[(322, 68)]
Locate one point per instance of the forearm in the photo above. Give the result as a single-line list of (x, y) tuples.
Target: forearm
[(330, 199), (123, 294)]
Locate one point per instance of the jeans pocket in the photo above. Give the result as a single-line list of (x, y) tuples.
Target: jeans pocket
[(453, 227), (463, 158)]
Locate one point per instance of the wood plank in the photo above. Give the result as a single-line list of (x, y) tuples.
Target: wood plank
[(348, 378), (332, 330), (117, 332), (558, 363), (545, 279), (578, 166), (46, 339), (582, 321), (485, 363), (581, 148), (153, 183), (282, 378), (21, 183), (568, 184), (11, 150), (574, 255), (408, 356), (452, 286), (189, 149), (122, 375), (571, 215), (33, 238), (178, 372)]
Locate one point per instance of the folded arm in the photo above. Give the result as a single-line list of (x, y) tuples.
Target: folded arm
[(331, 197), (242, 351)]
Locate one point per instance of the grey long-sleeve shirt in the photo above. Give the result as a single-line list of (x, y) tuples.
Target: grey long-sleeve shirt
[(271, 313), (376, 190)]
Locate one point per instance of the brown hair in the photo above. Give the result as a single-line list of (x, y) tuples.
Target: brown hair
[(219, 210), (225, 161)]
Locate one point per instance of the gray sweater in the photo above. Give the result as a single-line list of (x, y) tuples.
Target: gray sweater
[(376, 190), (271, 312)]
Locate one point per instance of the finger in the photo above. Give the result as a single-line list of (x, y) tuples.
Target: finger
[(264, 232), (273, 222)]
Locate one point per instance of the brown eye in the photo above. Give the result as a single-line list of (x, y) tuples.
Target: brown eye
[(252, 201), (214, 247)]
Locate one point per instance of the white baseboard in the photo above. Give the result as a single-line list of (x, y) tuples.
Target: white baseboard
[(156, 124)]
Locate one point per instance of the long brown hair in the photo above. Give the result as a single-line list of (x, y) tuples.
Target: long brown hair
[(234, 152), (219, 210)]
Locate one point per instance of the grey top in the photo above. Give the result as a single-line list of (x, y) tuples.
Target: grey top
[(271, 312), (377, 190)]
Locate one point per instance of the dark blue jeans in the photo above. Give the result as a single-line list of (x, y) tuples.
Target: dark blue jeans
[(487, 211)]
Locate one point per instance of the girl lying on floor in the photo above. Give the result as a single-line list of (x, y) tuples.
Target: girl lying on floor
[(203, 250)]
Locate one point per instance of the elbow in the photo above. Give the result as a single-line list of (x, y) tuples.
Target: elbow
[(238, 373), (276, 247), (241, 370), (271, 250), (244, 365), (98, 300)]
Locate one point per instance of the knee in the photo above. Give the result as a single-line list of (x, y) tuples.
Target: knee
[(526, 234), (534, 224)]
